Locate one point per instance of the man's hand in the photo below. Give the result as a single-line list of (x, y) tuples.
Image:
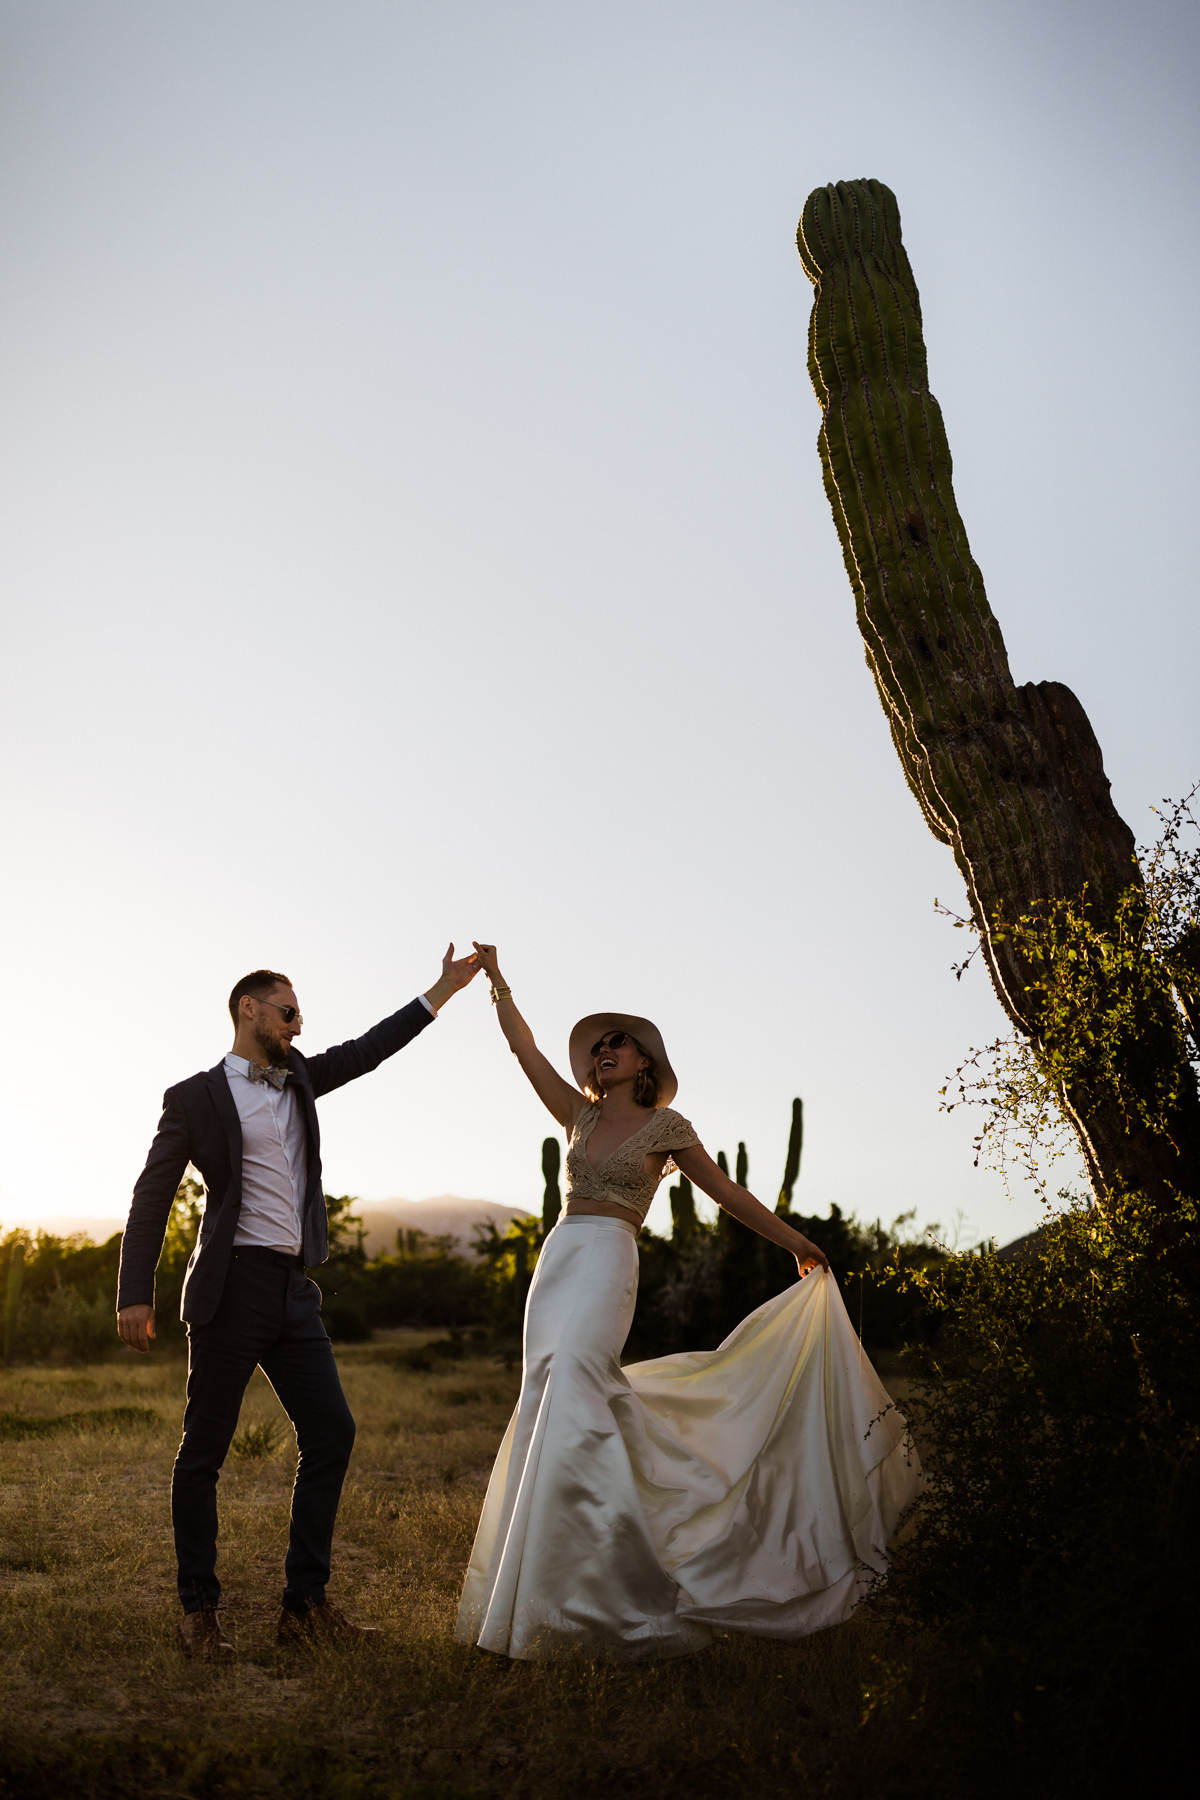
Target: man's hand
[(454, 975), (136, 1326)]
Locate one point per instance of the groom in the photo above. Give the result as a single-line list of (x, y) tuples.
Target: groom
[(250, 1127)]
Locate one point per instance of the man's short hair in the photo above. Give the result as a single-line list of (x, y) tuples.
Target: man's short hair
[(257, 984)]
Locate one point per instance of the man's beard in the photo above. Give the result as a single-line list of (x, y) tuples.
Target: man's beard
[(274, 1053)]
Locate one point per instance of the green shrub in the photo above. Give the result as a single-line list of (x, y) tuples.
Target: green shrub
[(694, 1289), (255, 1441), (344, 1311), (1051, 1576)]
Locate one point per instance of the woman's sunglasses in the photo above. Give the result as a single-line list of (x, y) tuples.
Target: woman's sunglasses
[(614, 1040)]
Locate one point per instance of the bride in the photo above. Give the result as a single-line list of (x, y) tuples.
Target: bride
[(635, 1511)]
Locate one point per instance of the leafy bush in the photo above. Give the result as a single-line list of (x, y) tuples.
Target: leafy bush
[(425, 1282), (695, 1288), (1118, 1005), (1051, 1576), (59, 1296), (1043, 1599)]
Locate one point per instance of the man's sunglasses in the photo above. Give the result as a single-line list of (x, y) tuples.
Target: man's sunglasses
[(290, 1013), (615, 1040)]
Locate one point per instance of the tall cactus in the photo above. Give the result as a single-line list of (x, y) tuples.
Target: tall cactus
[(551, 1194), (791, 1167), (1010, 777), (684, 1223), (739, 1280)]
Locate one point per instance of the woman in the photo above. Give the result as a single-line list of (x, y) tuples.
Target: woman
[(633, 1511)]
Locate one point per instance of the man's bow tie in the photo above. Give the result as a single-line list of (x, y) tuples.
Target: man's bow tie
[(268, 1072)]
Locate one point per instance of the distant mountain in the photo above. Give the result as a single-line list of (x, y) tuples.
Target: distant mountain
[(446, 1216)]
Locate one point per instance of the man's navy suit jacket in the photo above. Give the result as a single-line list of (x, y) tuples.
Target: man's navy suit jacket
[(200, 1125)]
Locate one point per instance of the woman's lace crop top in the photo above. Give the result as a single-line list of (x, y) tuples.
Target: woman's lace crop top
[(621, 1178)]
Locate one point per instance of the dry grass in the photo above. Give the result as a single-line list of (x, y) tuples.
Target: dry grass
[(98, 1701)]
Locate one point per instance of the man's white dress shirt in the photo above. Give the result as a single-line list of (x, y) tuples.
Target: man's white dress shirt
[(274, 1160), (274, 1157)]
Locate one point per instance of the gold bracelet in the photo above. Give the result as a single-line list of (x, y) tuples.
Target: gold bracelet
[(500, 993)]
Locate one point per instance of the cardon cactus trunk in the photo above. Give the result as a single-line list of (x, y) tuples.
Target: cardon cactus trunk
[(1010, 777)]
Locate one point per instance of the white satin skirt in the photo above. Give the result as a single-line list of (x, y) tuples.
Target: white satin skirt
[(633, 1512)]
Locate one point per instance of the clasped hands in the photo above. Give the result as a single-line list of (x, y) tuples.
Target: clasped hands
[(456, 973)]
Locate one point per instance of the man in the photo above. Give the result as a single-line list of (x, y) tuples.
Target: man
[(250, 1127)]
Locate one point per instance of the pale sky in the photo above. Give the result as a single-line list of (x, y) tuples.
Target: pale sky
[(414, 529)]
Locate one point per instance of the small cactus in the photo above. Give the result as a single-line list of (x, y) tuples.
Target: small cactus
[(552, 1196)]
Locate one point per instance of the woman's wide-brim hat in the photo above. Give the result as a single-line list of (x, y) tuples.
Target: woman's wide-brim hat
[(598, 1025)]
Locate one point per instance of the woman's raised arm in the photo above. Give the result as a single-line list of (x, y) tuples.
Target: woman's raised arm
[(703, 1173), (559, 1097)]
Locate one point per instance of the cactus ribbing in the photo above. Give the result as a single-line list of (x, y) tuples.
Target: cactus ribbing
[(1009, 776)]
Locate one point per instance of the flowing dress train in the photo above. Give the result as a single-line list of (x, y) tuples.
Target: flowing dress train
[(636, 1511)]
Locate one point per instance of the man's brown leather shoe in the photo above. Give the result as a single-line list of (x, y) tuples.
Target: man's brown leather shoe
[(201, 1636), (321, 1624)]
